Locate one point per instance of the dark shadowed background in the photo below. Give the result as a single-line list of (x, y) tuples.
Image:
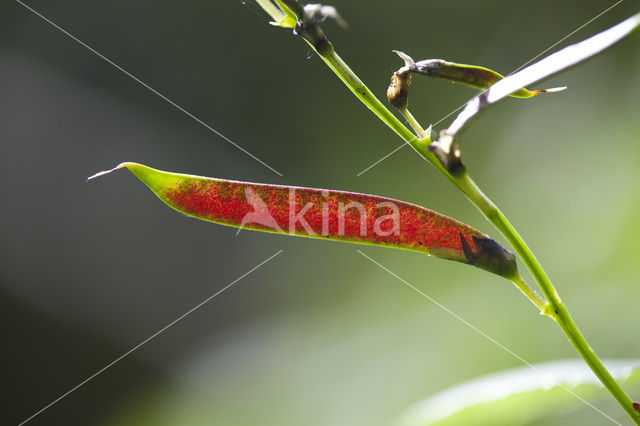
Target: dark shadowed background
[(319, 335)]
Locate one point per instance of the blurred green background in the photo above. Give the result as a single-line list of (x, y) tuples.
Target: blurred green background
[(319, 335)]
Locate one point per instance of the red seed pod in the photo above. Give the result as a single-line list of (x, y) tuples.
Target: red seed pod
[(327, 214)]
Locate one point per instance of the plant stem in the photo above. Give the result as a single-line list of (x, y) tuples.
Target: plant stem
[(579, 342), (554, 307), (421, 146), (539, 301), (495, 216), (362, 92), (558, 311), (414, 123)]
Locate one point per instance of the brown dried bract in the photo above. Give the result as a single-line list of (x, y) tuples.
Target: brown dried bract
[(398, 91)]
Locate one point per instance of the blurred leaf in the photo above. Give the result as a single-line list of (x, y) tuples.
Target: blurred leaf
[(518, 396), (317, 213)]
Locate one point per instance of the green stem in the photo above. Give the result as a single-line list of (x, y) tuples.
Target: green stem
[(421, 146), (276, 14), (517, 280), (554, 308), (558, 311), (414, 124), (362, 92), (579, 342), (539, 301)]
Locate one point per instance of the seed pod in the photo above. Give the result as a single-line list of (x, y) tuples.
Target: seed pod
[(469, 75), (315, 213)]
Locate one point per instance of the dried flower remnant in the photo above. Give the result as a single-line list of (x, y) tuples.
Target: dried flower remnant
[(319, 13), (308, 19), (447, 151), (398, 96), (398, 91), (489, 255)]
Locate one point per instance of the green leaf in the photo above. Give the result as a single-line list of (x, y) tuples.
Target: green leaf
[(518, 396), (316, 213)]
